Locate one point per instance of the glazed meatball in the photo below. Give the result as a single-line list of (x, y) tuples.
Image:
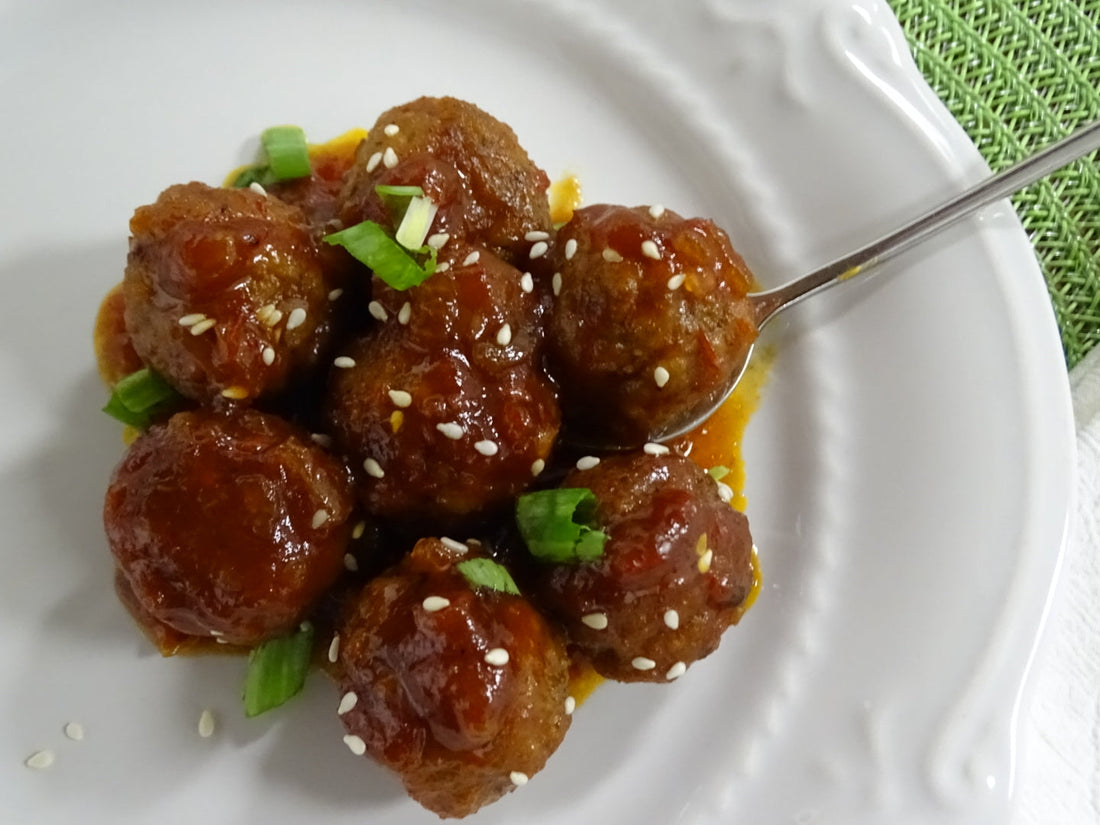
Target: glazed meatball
[(228, 524), (225, 293), (674, 572), (650, 321), (114, 351), (443, 405), (470, 164), (460, 689)]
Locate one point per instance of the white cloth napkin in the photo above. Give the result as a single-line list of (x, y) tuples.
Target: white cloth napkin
[(1060, 777)]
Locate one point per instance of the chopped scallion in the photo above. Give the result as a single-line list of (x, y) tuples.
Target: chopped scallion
[(718, 472), (139, 397), (277, 670), (487, 573), (369, 243), (559, 525), (417, 222), (260, 173), (384, 189), (287, 152)]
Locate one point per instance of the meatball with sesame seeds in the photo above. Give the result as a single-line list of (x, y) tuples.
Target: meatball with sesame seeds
[(229, 525), (649, 321), (469, 163), (225, 292), (459, 687), (674, 573)]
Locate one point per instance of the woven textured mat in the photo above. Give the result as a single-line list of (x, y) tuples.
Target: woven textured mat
[(1018, 74)]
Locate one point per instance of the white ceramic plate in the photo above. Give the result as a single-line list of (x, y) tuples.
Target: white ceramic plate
[(909, 467)]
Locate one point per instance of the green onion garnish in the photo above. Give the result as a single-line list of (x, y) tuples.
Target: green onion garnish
[(287, 153), (277, 670), (718, 472), (260, 173), (559, 525), (385, 189), (139, 397), (369, 243), (413, 229), (487, 573)]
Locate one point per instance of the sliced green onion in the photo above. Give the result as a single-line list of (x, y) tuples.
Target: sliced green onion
[(277, 670), (139, 397), (385, 189), (369, 243), (559, 525), (260, 173), (718, 472), (287, 152), (416, 223), (487, 573)]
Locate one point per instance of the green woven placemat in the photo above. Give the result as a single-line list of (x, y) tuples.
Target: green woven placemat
[(1018, 74)]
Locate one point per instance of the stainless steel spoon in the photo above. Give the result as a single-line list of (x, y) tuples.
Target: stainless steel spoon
[(766, 305)]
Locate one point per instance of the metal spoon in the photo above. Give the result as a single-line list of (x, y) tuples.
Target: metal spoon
[(766, 305)]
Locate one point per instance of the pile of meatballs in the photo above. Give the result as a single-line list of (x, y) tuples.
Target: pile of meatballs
[(341, 446)]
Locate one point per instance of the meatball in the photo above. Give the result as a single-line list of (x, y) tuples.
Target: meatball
[(470, 164), (650, 322), (444, 405), (460, 689), (114, 352), (676, 567), (228, 524), (225, 293)]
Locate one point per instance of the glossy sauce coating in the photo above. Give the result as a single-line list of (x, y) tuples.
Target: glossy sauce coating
[(649, 323), (228, 525), (675, 569), (460, 690)]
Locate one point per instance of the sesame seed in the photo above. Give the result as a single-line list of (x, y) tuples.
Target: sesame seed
[(487, 447), (373, 468), (389, 158), (587, 462), (221, 641), (438, 240), (343, 362), (725, 492), (216, 633), (351, 564), (705, 560), (202, 326), (653, 448), (191, 319), (334, 649), (555, 283), (347, 702), (268, 355), (404, 313), (472, 258), (537, 466), (536, 235), (321, 440), (677, 281), (527, 283), (358, 530), (355, 744), (452, 430), (498, 657), (296, 319), (519, 778), (373, 161), (596, 621), (207, 723), (570, 249), (676, 671), (504, 336), (611, 256), (539, 249), (319, 518), (377, 311), (660, 376), (451, 544), (642, 663), (672, 620), (443, 266), (391, 129), (256, 187), (656, 211), (40, 760), (570, 705), (433, 604), (651, 250), (74, 731), (400, 398), (268, 315), (334, 294), (235, 393)]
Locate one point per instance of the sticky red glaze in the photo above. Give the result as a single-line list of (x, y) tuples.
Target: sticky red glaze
[(452, 725)]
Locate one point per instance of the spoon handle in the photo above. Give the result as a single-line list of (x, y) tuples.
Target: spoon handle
[(1011, 180)]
